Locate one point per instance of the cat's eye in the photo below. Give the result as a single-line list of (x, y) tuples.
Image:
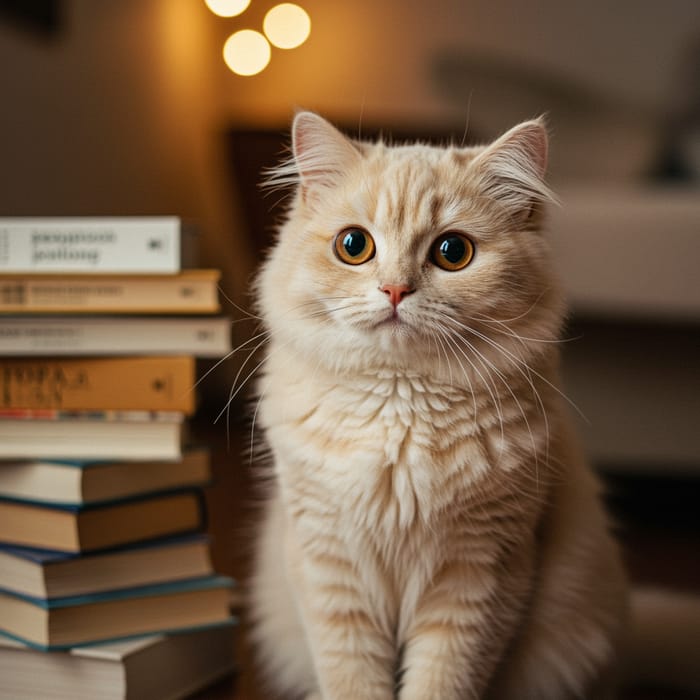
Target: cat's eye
[(354, 246), (452, 251)]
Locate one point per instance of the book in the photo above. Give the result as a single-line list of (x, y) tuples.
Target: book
[(84, 482), (124, 244), (96, 435), (107, 383), (159, 667), (187, 292), (50, 574), (102, 526), (99, 336), (60, 623)]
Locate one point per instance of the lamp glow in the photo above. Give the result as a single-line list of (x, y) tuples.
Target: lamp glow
[(287, 26), (247, 52), (227, 8)]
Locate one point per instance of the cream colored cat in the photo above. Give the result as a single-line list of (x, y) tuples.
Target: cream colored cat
[(433, 532)]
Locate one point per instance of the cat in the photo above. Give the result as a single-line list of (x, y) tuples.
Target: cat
[(433, 531)]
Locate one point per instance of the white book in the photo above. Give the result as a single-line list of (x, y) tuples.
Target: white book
[(156, 667), (118, 335), (118, 435), (121, 244)]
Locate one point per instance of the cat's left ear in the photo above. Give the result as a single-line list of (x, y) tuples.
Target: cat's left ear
[(513, 167), (321, 153)]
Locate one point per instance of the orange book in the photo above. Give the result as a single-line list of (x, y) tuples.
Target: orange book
[(99, 384), (188, 292)]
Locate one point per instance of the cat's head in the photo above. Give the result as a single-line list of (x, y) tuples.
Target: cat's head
[(412, 256)]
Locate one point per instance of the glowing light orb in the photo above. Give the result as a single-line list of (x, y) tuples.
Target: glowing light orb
[(247, 52), (287, 26), (227, 8)]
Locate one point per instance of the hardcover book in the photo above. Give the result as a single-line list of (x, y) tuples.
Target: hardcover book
[(66, 622), (66, 482), (89, 384), (114, 336), (49, 574), (102, 526), (146, 244), (188, 292), (96, 435), (160, 667)]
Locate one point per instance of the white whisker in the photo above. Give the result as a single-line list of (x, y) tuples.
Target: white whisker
[(228, 355), (248, 315), (486, 383), (520, 362)]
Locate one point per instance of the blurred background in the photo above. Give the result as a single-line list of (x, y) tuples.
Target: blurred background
[(127, 107)]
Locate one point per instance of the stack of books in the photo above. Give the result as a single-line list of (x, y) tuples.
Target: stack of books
[(106, 583)]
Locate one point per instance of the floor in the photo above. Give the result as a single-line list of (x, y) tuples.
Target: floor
[(658, 522)]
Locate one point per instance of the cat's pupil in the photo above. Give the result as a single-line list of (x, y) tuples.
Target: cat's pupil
[(354, 243), (453, 249)]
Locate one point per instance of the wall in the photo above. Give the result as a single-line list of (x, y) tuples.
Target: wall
[(119, 114), (605, 72)]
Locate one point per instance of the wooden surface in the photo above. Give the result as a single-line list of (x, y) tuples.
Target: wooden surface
[(660, 549)]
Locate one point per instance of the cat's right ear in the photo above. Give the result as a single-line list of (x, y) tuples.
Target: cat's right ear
[(321, 153)]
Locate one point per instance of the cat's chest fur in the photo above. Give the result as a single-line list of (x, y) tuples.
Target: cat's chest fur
[(385, 451)]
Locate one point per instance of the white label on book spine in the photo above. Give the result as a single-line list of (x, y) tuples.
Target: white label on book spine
[(145, 245)]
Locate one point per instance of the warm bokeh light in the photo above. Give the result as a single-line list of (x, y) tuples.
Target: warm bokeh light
[(247, 52), (287, 26), (227, 8)]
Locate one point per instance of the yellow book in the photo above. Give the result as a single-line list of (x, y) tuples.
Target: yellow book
[(158, 383), (188, 292)]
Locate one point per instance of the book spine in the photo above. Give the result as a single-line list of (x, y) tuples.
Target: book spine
[(95, 384), (64, 336), (180, 294), (90, 439), (91, 245)]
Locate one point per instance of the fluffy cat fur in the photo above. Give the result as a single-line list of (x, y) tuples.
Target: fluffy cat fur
[(433, 531)]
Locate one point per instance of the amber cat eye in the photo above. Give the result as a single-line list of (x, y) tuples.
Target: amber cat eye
[(354, 246), (452, 251)]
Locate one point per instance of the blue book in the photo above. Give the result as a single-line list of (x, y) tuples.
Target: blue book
[(102, 526), (49, 574), (66, 622)]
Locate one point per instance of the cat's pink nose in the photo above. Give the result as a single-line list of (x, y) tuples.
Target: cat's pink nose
[(396, 292)]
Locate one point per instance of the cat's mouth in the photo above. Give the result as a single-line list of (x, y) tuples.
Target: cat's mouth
[(393, 320)]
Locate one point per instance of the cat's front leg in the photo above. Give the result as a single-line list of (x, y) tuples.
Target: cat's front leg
[(439, 663), (353, 651), (449, 650)]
